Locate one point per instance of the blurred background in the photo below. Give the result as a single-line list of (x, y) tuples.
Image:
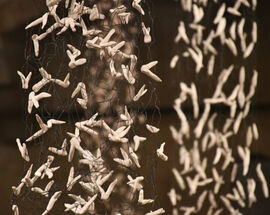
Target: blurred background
[(15, 14)]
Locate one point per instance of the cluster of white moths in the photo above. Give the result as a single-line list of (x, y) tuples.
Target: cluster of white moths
[(104, 44), (194, 159)]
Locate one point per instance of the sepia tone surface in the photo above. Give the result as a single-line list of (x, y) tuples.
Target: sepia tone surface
[(13, 40)]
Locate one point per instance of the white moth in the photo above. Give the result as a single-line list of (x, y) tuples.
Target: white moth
[(44, 127), (179, 179), (36, 38), (113, 70), (249, 136), (244, 154), (198, 36), (218, 212), (211, 121), (181, 33), (82, 127), (254, 32), (219, 152), (234, 172), (248, 50), (237, 122), (137, 140), (146, 70), (186, 5), (73, 53), (228, 159), (233, 11), (124, 17), (220, 13), (141, 199), (211, 64), (231, 45), (197, 13), (224, 75), (160, 152), (232, 31), (33, 99), (193, 184), (246, 109), (251, 186), (135, 184), (197, 56), (88, 33), (207, 44), (137, 6), (156, 212), (218, 179), (194, 97), (263, 180), (15, 209), (106, 195), (95, 14), (202, 121), (46, 78), (173, 196), (102, 179), (61, 83), (227, 125), (71, 180), (86, 207), (140, 93), (74, 144), (92, 43), (221, 27), (209, 135), (233, 109), (174, 61), (255, 131), (126, 161), (62, 151), (51, 3), (201, 199), (240, 29), (152, 128), (25, 80), (118, 135), (25, 180), (227, 203), (253, 85), (23, 150), (188, 210), (42, 20), (126, 117), (241, 190), (184, 123), (146, 33), (134, 157), (105, 41), (44, 192), (82, 89), (212, 199), (127, 74), (113, 50), (254, 4), (236, 197), (52, 201), (17, 190)]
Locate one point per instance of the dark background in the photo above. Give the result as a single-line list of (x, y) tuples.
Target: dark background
[(14, 14)]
